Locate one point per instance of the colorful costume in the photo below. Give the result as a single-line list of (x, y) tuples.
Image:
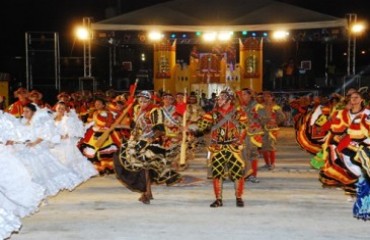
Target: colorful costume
[(274, 116), (101, 156), (227, 127), (254, 134), (142, 159), (348, 132)]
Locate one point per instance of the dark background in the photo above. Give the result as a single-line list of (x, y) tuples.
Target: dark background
[(19, 16)]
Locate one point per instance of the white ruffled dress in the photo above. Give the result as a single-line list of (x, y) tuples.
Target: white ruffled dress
[(9, 223), (44, 167), (67, 151), (18, 193)]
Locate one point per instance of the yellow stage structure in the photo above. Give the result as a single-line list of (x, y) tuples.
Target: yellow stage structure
[(208, 72)]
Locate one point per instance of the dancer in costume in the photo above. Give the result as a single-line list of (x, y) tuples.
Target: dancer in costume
[(349, 130), (172, 120), (71, 129), (101, 156), (194, 113), (310, 134), (227, 124), (273, 117), (16, 109), (142, 160), (254, 131), (37, 133)]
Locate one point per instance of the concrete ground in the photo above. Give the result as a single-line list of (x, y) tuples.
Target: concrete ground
[(288, 203)]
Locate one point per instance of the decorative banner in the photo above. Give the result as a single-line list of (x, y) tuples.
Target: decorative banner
[(165, 66), (251, 62), (163, 59), (210, 66)]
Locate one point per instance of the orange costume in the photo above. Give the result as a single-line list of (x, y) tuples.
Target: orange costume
[(101, 156)]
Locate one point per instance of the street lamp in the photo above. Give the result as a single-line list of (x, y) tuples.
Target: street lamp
[(354, 29), (84, 34)]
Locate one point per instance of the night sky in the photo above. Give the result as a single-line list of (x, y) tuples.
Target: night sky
[(19, 16)]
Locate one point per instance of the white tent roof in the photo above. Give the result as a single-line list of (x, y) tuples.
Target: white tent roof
[(227, 15)]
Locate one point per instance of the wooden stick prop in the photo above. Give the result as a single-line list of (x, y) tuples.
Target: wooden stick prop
[(184, 145), (107, 132)]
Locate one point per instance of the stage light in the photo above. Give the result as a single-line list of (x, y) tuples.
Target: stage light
[(224, 36), (82, 33), (155, 36), (198, 34), (184, 35), (265, 34), (209, 36), (245, 33), (173, 35), (254, 34), (280, 35)]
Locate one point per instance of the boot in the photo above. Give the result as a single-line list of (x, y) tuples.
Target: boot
[(217, 203)]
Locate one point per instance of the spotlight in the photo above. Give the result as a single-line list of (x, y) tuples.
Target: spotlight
[(155, 36), (209, 36), (224, 36), (280, 35)]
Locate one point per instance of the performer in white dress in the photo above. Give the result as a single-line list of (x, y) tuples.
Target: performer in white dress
[(9, 223), (18, 194), (38, 132), (71, 129)]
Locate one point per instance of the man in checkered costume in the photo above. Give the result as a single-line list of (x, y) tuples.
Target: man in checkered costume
[(227, 124)]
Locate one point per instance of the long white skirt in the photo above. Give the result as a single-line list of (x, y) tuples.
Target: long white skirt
[(69, 155), (8, 223), (45, 169), (18, 194)]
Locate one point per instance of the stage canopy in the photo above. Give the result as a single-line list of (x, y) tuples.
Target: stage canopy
[(220, 15)]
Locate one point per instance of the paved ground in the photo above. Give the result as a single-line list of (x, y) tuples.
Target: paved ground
[(288, 203)]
